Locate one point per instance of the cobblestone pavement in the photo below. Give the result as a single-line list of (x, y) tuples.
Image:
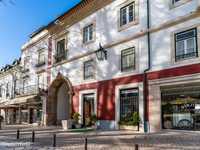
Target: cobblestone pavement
[(101, 140)]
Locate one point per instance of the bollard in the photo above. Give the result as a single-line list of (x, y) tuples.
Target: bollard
[(33, 136), (86, 143), (17, 134), (136, 147), (54, 140)]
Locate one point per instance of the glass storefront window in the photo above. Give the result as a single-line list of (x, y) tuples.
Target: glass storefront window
[(129, 103), (181, 107)]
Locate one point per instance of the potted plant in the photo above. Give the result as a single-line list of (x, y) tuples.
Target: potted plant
[(130, 122), (94, 121), (1, 120), (76, 118)]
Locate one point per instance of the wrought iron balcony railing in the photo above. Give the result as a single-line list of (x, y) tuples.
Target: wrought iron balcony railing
[(60, 56), (40, 63), (30, 90), (24, 70)]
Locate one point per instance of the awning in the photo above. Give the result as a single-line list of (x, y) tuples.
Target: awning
[(24, 100), (21, 100), (2, 106)]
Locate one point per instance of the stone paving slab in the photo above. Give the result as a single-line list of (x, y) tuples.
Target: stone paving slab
[(104, 140)]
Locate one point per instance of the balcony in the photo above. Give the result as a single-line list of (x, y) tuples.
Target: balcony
[(30, 90), (60, 56), (25, 70), (40, 63)]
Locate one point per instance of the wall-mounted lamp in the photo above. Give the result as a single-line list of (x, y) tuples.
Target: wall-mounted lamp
[(101, 53)]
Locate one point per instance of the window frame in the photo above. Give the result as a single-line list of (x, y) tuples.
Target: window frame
[(87, 28), (27, 62), (136, 16), (59, 57), (25, 85), (41, 84), (131, 68), (134, 101), (177, 4), (127, 14), (84, 70), (196, 44), (1, 91), (41, 54), (57, 42), (7, 90)]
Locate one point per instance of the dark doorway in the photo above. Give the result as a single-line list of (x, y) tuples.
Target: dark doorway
[(88, 108), (31, 115)]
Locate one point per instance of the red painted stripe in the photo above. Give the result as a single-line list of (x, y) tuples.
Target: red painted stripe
[(105, 94), (173, 72), (49, 60), (106, 88)]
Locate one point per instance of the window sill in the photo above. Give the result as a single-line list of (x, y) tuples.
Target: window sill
[(40, 64), (177, 4), (188, 61), (25, 70), (126, 26), (89, 42), (128, 72), (89, 80)]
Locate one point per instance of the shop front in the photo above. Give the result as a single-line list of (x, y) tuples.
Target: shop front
[(180, 107), (22, 110)]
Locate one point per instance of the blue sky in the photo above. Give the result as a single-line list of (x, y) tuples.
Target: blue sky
[(20, 18)]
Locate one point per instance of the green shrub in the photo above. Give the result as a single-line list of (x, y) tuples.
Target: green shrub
[(132, 120), (93, 119), (76, 117), (136, 118)]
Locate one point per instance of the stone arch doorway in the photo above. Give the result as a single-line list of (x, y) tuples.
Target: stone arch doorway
[(59, 101)]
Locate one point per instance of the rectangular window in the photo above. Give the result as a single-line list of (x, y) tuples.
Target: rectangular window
[(26, 63), (0, 90), (41, 81), (128, 59), (17, 87), (186, 44), (175, 1), (61, 47), (41, 57), (7, 90), (61, 51), (25, 86), (127, 14), (181, 106), (89, 69), (128, 103), (88, 33)]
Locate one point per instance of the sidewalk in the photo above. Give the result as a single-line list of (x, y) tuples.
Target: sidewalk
[(102, 140)]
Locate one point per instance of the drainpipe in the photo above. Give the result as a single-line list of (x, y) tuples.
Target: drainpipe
[(145, 81)]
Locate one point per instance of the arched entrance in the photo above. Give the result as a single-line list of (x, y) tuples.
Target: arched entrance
[(59, 101)]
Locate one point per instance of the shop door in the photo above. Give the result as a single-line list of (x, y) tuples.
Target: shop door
[(88, 108)]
